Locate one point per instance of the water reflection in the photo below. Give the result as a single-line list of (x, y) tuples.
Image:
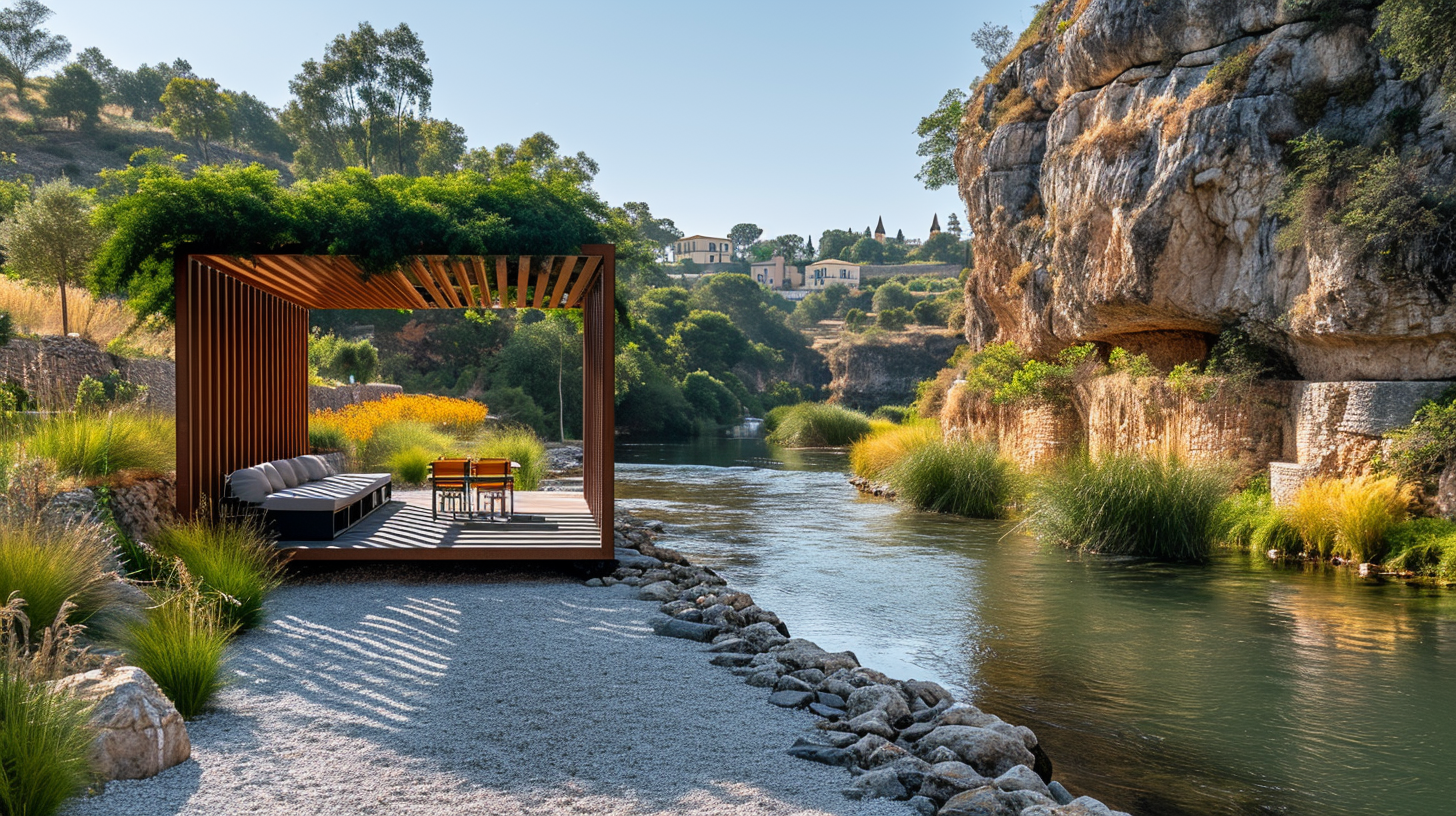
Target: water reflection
[(1233, 688)]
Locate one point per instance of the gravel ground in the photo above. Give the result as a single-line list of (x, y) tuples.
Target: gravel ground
[(481, 694)]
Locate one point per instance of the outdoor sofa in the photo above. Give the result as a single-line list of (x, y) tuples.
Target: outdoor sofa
[(306, 498)]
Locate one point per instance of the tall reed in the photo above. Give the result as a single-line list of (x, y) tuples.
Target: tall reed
[(233, 562), (180, 645), (871, 456), (1128, 505), (819, 425), (1351, 518), (964, 478), (91, 445), (518, 444)]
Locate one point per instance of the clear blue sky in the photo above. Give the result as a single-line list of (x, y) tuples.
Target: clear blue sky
[(796, 116)]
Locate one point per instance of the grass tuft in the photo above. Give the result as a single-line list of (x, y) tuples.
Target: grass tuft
[(91, 445), (518, 444), (818, 425), (233, 563), (1349, 518), (964, 478), (1425, 546), (1127, 505), (50, 566), (873, 455), (180, 645), (410, 465)]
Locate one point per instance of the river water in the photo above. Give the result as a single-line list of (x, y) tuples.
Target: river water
[(1235, 687)]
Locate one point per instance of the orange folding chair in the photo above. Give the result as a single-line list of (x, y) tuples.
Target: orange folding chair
[(448, 478), (492, 479)]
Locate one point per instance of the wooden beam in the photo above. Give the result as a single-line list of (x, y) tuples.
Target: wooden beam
[(586, 277), (502, 274), (543, 281), (443, 279), (567, 270), (460, 268), (523, 272), (425, 281)]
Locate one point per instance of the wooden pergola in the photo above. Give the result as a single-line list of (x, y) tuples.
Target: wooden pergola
[(242, 360)]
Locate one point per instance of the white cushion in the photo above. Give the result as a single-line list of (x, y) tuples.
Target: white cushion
[(250, 485), (312, 466), (275, 479), (291, 477)]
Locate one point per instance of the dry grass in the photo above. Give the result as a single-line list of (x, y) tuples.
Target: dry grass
[(887, 445), (1111, 138), (36, 309), (1350, 518)]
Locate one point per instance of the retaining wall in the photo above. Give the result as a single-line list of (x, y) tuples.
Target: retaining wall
[(51, 368)]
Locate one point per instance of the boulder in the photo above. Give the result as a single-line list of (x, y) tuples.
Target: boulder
[(946, 779), (791, 699), (991, 753), (823, 754), (138, 731), (872, 722), (883, 698), (883, 783), (831, 700), (660, 591), (866, 747), (1446, 493), (791, 683), (827, 712), (991, 801), (730, 659), (672, 627), (1060, 793), (763, 679), (1023, 778), (931, 693), (762, 636), (923, 805)]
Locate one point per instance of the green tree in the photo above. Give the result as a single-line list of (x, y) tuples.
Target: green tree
[(538, 156), (74, 96), (663, 308), (140, 91), (790, 246), (855, 319), (25, 47), (355, 107), (710, 398), (938, 134), (436, 147), (943, 248), (743, 236), (52, 238), (709, 341), (659, 233), (255, 124), (867, 251), (544, 360), (994, 42), (102, 69), (894, 320), (930, 312), (196, 110), (893, 295), (836, 243), (953, 225)]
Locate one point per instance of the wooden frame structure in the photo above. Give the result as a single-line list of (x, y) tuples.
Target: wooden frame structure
[(242, 358)]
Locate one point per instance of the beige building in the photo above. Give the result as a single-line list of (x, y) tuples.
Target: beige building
[(703, 249), (820, 274), (778, 274)]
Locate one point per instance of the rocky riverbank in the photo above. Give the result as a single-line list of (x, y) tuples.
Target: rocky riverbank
[(905, 740)]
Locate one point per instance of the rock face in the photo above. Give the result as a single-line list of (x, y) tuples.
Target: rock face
[(138, 731), (884, 369), (1115, 196)]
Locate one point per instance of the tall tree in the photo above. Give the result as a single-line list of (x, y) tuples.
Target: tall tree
[(539, 156), (790, 246), (140, 91), (938, 133), (743, 236), (197, 110), (52, 239), (362, 97), (994, 42), (255, 124), (102, 69), (659, 232), (74, 96), (953, 225), (25, 47)]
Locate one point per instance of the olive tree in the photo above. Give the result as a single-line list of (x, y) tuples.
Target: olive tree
[(51, 238)]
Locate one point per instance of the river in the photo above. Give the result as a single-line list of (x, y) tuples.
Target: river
[(1236, 687)]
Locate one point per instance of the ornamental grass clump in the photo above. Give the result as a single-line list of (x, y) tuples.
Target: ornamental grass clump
[(180, 645), (873, 455), (965, 478), (411, 465), (58, 568), (376, 453), (1425, 546), (232, 564), (1130, 505), (44, 732), (92, 445), (518, 444), (819, 425), (1351, 518)]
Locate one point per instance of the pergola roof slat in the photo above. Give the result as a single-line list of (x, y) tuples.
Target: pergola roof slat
[(523, 272), (543, 281), (567, 270), (587, 274), (502, 274)]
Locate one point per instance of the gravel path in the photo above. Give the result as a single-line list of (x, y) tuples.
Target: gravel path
[(478, 695)]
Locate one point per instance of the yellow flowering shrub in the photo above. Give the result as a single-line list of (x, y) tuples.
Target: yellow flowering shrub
[(360, 422)]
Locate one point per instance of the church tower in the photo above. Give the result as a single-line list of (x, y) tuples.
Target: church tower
[(935, 225), (880, 230)]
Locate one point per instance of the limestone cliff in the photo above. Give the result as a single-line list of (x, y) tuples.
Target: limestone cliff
[(879, 368), (1121, 171)]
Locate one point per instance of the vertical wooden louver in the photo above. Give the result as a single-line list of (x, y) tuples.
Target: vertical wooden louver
[(242, 380), (599, 392)]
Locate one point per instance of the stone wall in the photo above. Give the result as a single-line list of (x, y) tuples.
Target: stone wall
[(51, 368), (1030, 435), (324, 397), (950, 270), (141, 507)]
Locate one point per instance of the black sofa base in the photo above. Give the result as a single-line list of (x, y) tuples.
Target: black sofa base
[(322, 525)]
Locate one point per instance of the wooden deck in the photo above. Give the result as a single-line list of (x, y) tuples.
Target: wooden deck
[(562, 528)]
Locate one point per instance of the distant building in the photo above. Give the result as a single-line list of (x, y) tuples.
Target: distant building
[(703, 249), (880, 230), (820, 274), (778, 274), (935, 225)]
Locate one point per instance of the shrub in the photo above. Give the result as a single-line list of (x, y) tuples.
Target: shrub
[(1128, 505), (233, 563), (1349, 518), (930, 312), (895, 319), (1037, 381), (518, 444), (873, 455), (1134, 365), (1420, 451), (326, 438), (332, 357), (359, 422), (710, 399), (818, 425), (893, 295), (49, 565), (410, 465), (1425, 546), (93, 445), (855, 319), (897, 414), (964, 478), (180, 645), (395, 437), (7, 329)]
